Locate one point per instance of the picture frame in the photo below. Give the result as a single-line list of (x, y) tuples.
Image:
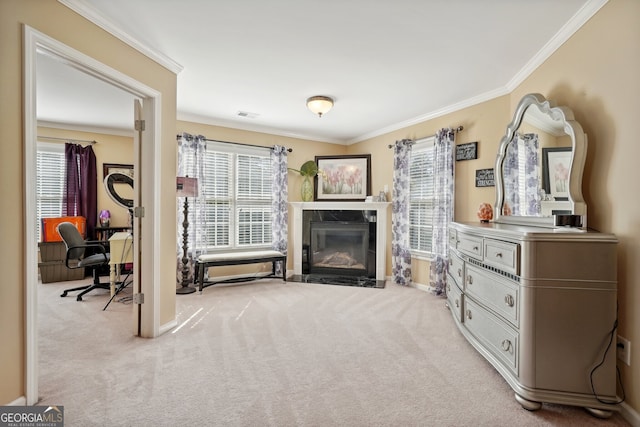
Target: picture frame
[(108, 168), (485, 178), (467, 151), (343, 178), (556, 167)]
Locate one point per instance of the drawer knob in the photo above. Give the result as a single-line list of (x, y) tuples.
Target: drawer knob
[(459, 272), (475, 248), (457, 303), (450, 261), (470, 279), (506, 345), (469, 314), (509, 300), (499, 255)]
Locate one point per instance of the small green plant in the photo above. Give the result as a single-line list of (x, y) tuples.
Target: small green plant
[(308, 168)]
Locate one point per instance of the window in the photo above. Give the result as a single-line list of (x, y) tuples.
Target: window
[(421, 195), (50, 165), (237, 197)]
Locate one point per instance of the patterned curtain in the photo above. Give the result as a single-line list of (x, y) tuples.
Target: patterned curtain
[(532, 174), (443, 209), (80, 186), (191, 150), (400, 245), (279, 211), (522, 175), (511, 180)]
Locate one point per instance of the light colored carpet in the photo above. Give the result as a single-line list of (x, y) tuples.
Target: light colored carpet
[(269, 353)]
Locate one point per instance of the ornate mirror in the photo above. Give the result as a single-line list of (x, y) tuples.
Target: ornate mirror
[(539, 167)]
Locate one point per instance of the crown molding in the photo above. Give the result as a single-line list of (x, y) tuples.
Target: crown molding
[(578, 20), (574, 24), (89, 13), (196, 118), (487, 96)]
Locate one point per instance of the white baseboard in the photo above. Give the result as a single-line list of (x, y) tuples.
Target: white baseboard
[(631, 415), (167, 327), (21, 401), (420, 286)]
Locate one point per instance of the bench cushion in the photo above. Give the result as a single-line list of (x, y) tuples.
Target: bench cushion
[(236, 256)]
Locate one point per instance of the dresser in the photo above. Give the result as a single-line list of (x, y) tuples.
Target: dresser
[(540, 305)]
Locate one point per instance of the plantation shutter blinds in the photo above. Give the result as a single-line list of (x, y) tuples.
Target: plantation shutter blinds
[(254, 200), (237, 189), (421, 186), (218, 195), (50, 176)]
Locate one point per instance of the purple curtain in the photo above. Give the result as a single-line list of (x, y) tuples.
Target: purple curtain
[(81, 185)]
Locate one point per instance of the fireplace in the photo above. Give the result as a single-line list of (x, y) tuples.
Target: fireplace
[(373, 215), (340, 248)]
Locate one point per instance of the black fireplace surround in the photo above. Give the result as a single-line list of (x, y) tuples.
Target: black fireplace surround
[(339, 247)]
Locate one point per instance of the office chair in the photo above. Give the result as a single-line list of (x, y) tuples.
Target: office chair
[(75, 258)]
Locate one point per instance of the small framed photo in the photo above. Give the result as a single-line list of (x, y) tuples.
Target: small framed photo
[(124, 169), (556, 164), (343, 178), (468, 151), (485, 178)]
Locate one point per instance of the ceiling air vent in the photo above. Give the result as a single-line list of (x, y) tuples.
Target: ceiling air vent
[(248, 114)]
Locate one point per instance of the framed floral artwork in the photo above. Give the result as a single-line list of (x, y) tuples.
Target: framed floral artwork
[(343, 178), (556, 164)]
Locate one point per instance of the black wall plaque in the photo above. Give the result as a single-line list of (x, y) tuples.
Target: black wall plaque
[(485, 178), (468, 151)]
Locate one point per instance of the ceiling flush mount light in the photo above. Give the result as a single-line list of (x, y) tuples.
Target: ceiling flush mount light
[(319, 105)]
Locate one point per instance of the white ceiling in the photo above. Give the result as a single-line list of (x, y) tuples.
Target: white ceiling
[(387, 63)]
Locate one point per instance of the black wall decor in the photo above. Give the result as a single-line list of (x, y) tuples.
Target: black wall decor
[(468, 151), (485, 178)]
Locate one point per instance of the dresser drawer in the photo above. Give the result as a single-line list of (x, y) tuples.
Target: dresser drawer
[(456, 268), (502, 255), (470, 245), (495, 335), (493, 291), (454, 299), (453, 238)]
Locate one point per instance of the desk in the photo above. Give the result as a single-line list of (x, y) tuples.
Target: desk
[(104, 233), (121, 249)]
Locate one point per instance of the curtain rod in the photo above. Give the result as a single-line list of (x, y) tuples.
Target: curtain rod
[(290, 150), (67, 139), (456, 130)]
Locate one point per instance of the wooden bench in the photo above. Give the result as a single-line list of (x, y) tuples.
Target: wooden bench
[(238, 258)]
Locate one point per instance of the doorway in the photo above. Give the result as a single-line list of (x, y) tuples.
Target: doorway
[(146, 156)]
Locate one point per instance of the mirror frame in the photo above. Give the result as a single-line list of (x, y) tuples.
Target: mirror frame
[(579, 154)]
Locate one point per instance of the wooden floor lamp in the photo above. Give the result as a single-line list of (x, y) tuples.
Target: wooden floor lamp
[(186, 187)]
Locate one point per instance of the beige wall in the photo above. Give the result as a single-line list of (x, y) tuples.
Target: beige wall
[(109, 149), (303, 150), (55, 20), (595, 73), (484, 123)]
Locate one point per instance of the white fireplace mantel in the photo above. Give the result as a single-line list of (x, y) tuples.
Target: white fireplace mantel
[(381, 228)]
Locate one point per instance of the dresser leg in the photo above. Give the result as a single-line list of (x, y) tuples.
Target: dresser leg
[(599, 413), (529, 405)]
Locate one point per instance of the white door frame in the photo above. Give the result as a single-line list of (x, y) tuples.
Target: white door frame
[(36, 43)]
